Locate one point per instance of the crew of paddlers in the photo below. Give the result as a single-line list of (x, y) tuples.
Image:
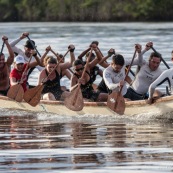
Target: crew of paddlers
[(17, 67)]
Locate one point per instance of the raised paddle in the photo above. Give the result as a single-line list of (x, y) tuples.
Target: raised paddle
[(16, 92), (2, 47), (33, 96), (74, 101), (115, 100), (33, 45), (160, 57)]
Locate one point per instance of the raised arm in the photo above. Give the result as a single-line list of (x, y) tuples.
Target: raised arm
[(98, 57), (34, 63), (84, 53), (72, 56), (147, 47), (14, 42), (103, 62), (44, 55), (10, 51), (138, 59), (67, 65)]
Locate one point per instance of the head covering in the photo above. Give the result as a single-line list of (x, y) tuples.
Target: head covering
[(29, 45), (19, 59)]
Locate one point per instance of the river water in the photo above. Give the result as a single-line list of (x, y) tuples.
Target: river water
[(42, 142)]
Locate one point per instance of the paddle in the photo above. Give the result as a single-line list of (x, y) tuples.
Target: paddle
[(2, 47), (74, 101), (16, 92), (115, 100), (33, 96), (160, 57), (33, 45)]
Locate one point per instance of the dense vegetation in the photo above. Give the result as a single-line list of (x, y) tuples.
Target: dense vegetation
[(86, 10)]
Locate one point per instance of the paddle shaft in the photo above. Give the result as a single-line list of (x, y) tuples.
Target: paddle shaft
[(33, 46), (87, 62), (83, 73), (26, 68), (128, 70), (161, 57), (60, 60), (2, 47), (131, 72)]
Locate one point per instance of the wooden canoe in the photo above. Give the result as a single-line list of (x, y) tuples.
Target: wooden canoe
[(162, 106)]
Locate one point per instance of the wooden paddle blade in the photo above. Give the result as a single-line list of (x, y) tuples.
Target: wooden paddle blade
[(116, 102), (16, 92), (74, 101), (32, 96)]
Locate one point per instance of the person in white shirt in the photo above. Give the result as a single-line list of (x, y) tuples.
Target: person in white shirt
[(166, 76), (114, 74), (27, 52), (148, 73)]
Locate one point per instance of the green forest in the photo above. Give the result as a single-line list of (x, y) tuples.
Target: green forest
[(86, 10)]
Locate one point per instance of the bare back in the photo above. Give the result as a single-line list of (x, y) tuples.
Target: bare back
[(4, 77)]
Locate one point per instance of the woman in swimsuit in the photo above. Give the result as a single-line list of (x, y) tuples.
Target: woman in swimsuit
[(52, 88)]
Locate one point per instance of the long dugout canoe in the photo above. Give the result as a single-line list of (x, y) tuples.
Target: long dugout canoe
[(162, 106)]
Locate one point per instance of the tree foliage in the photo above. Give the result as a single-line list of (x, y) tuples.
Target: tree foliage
[(86, 10)]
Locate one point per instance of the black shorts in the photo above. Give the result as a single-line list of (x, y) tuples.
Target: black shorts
[(132, 95)]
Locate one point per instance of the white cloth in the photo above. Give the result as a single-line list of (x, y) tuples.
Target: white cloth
[(145, 76), (167, 75), (112, 78)]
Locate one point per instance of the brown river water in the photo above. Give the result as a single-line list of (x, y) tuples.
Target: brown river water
[(42, 142)]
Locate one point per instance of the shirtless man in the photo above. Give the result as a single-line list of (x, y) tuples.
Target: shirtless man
[(5, 68)]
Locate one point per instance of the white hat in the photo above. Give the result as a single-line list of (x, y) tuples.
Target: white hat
[(19, 59)]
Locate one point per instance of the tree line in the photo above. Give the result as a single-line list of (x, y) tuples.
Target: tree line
[(86, 10)]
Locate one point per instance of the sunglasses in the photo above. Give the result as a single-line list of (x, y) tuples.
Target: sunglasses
[(79, 69)]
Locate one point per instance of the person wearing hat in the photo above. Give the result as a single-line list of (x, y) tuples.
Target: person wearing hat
[(5, 68), (27, 52), (17, 76)]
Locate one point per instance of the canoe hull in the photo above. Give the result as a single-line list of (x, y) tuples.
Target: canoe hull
[(162, 106)]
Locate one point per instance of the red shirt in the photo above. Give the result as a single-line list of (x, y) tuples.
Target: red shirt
[(15, 74)]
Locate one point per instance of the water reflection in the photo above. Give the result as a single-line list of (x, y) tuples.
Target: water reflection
[(29, 144)]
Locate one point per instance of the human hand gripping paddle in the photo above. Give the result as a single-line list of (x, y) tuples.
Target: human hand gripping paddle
[(16, 92), (74, 101), (32, 96), (115, 100)]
